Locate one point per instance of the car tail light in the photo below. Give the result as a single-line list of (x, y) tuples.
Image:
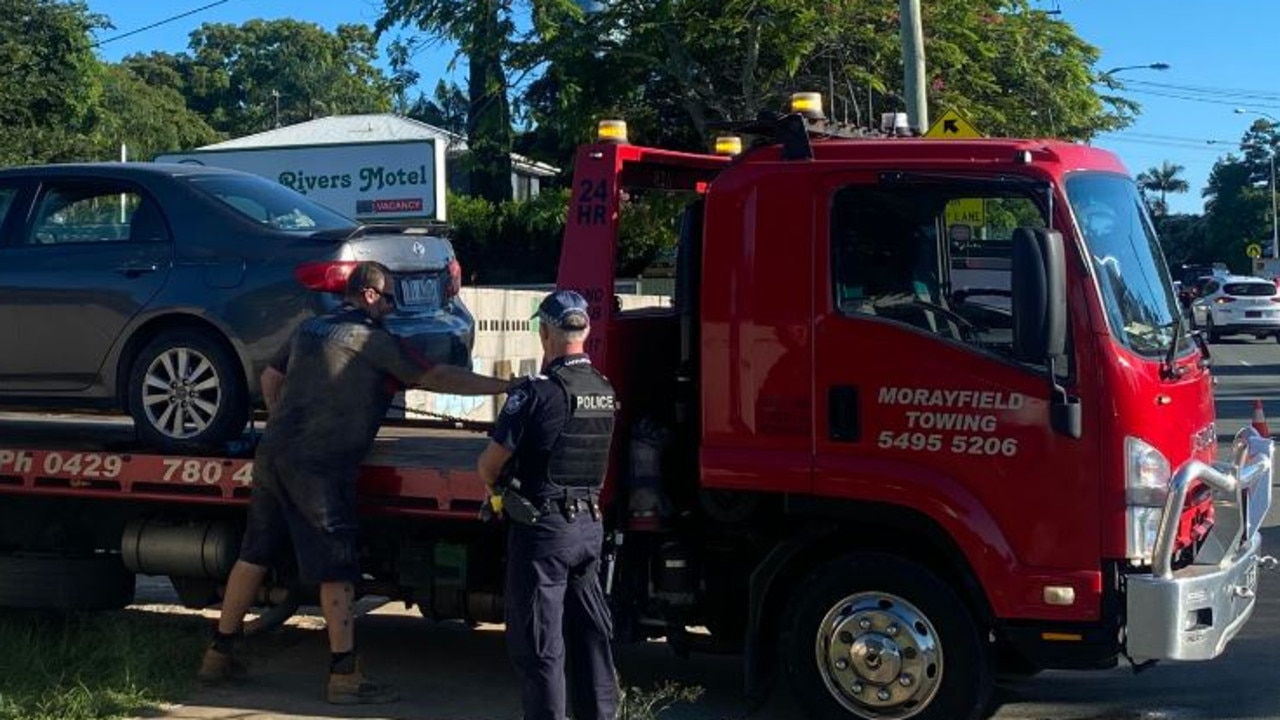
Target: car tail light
[(1224, 300), (455, 278), (325, 276)]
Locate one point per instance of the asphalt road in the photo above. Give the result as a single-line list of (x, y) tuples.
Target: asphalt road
[(449, 672)]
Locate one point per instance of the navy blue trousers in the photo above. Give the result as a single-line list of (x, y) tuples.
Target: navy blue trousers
[(558, 619)]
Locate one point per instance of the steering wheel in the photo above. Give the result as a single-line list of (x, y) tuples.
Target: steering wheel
[(968, 330)]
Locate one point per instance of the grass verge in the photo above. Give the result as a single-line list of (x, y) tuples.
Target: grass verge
[(101, 665)]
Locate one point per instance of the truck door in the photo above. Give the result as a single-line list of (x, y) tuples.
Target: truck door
[(918, 398)]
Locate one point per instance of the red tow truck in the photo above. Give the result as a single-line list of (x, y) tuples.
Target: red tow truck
[(922, 411)]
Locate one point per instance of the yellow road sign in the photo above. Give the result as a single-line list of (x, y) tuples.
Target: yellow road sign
[(952, 126), (966, 211), (1254, 251)]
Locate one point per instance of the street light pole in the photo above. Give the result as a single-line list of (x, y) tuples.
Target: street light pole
[(1275, 218), (1150, 66)]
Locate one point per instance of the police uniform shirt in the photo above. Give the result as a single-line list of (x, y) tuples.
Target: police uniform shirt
[(533, 417)]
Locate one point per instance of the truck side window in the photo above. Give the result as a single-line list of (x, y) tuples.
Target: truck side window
[(930, 259)]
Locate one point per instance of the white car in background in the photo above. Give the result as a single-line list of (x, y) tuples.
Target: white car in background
[(1237, 305)]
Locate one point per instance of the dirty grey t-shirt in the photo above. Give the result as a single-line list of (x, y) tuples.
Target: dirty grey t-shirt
[(341, 372)]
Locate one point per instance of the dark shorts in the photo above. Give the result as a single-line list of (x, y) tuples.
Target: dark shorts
[(316, 515)]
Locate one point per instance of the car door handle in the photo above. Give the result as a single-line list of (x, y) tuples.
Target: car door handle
[(136, 269)]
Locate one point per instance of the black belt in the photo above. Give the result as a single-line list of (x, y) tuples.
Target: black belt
[(569, 505)]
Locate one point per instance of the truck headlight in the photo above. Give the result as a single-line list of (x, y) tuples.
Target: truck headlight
[(1147, 474)]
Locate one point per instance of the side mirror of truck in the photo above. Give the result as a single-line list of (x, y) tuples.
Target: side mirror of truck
[(1039, 295), (1040, 317)]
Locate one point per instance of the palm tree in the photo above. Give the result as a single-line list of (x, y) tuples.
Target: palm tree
[(1163, 180)]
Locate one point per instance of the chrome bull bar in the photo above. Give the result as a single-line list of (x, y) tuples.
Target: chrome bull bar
[(1192, 614)]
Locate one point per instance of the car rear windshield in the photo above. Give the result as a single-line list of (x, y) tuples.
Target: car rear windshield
[(1253, 289), (271, 204)]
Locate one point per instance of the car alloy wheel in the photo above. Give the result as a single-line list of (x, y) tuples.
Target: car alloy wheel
[(187, 391), (182, 393)]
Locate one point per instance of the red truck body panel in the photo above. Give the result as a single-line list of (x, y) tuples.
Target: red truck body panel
[(1027, 506), (427, 474)]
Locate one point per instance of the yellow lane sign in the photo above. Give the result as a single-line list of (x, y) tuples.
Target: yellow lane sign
[(966, 211), (952, 126)]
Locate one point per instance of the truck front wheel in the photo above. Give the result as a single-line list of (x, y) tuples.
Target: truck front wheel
[(875, 636)]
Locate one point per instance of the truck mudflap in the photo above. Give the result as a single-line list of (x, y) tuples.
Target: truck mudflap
[(1192, 614)]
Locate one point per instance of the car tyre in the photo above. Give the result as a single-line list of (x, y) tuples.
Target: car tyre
[(1211, 331), (930, 660), (187, 391)]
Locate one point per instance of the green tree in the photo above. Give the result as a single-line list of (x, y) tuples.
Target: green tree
[(51, 82), (265, 73), (483, 31), (447, 110), (672, 68), (1235, 211), (1185, 239), (148, 118), (1163, 180)]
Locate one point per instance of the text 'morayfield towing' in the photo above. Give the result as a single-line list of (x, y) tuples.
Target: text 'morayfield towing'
[(922, 411)]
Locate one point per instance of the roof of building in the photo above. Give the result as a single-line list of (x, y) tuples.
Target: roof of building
[(381, 127)]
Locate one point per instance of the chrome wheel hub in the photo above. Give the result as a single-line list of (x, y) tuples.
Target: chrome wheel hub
[(181, 393), (879, 656)]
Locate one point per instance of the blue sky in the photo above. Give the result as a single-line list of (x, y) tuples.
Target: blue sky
[(1221, 55)]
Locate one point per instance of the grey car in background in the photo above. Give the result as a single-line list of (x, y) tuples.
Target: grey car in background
[(163, 290)]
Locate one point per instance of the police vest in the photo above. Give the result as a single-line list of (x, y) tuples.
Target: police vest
[(580, 456)]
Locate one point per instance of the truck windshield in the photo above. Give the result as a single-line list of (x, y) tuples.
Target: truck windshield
[(1134, 281)]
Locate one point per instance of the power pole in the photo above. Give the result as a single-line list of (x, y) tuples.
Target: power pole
[(913, 65)]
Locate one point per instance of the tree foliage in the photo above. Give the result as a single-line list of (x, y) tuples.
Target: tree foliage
[(1164, 180), (51, 84), (148, 118), (671, 68), (483, 31), (248, 78)]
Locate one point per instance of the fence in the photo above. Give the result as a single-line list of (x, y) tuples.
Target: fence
[(506, 345)]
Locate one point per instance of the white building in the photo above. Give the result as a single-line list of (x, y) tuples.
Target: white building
[(526, 174)]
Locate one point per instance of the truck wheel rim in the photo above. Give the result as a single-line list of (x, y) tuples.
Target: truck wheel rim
[(879, 656), (181, 393)]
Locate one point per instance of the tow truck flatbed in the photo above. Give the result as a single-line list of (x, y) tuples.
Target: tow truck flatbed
[(411, 471)]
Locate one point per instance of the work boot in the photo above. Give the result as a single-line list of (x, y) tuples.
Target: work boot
[(218, 667), (356, 688)]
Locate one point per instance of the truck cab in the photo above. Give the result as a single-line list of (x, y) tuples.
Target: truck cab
[(927, 409)]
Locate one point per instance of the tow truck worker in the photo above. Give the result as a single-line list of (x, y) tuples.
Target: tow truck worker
[(328, 390), (555, 430)]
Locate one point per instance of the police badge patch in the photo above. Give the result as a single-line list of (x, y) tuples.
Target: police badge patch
[(515, 401)]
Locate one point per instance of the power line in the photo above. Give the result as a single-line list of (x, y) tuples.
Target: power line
[(1160, 144), (1181, 138), (1210, 91), (165, 21), (1210, 101)]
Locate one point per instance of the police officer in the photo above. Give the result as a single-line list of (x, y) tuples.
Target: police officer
[(547, 457)]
